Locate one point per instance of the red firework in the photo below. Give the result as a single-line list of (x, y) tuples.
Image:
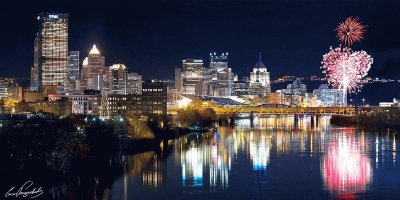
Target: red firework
[(350, 31)]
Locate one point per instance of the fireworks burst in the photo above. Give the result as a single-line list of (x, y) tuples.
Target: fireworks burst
[(350, 31), (345, 68)]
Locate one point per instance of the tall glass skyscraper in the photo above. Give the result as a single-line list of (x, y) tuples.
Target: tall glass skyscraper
[(73, 71), (52, 50)]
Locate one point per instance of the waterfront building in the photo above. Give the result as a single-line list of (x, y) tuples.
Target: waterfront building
[(241, 88), (294, 93), (94, 71), (121, 105), (154, 98), (118, 79), (152, 101), (259, 80), (51, 51), (190, 77), (395, 103), (276, 98), (82, 104), (134, 84), (73, 72), (329, 97)]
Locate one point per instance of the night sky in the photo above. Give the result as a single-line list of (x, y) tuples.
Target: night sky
[(152, 37)]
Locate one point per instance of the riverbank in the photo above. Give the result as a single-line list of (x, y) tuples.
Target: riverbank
[(371, 122)]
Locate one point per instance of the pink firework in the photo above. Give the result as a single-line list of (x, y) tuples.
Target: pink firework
[(345, 68)]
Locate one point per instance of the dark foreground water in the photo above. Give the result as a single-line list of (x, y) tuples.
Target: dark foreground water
[(271, 158)]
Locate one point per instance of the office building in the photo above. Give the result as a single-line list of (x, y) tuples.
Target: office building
[(52, 51), (73, 71), (94, 71), (190, 77), (134, 84), (154, 98), (329, 97), (34, 78), (59, 107), (259, 80), (118, 78), (218, 79), (81, 104), (294, 93)]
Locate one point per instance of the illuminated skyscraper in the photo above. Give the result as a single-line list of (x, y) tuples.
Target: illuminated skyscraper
[(73, 71), (52, 44), (35, 81), (259, 80), (94, 72), (118, 79), (191, 77), (218, 78)]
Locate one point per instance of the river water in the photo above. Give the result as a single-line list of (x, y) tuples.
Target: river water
[(266, 158)]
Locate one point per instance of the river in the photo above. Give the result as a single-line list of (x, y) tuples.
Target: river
[(266, 158)]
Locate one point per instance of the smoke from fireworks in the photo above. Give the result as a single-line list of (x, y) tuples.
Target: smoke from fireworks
[(350, 31), (345, 68)]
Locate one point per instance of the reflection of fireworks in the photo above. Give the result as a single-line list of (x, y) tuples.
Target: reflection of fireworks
[(345, 170), (350, 31), (345, 68)]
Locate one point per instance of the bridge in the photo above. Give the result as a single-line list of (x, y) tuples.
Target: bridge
[(231, 110)]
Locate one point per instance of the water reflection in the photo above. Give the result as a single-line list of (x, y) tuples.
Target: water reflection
[(345, 168), (206, 161), (272, 156)]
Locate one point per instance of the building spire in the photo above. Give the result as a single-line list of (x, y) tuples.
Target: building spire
[(94, 50), (259, 56)]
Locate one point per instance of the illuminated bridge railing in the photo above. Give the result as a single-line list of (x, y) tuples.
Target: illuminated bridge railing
[(286, 110), (224, 110)]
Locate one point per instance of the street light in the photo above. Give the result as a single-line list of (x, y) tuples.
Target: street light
[(363, 100)]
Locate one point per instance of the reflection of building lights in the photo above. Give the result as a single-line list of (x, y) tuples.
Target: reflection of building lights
[(394, 148), (345, 169), (260, 154), (192, 168)]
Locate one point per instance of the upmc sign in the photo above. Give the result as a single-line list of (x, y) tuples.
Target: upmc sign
[(53, 16)]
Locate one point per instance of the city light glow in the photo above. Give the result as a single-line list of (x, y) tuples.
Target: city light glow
[(184, 102)]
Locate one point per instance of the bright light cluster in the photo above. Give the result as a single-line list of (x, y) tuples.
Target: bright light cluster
[(345, 68)]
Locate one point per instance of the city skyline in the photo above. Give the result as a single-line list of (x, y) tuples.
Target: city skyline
[(136, 39)]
